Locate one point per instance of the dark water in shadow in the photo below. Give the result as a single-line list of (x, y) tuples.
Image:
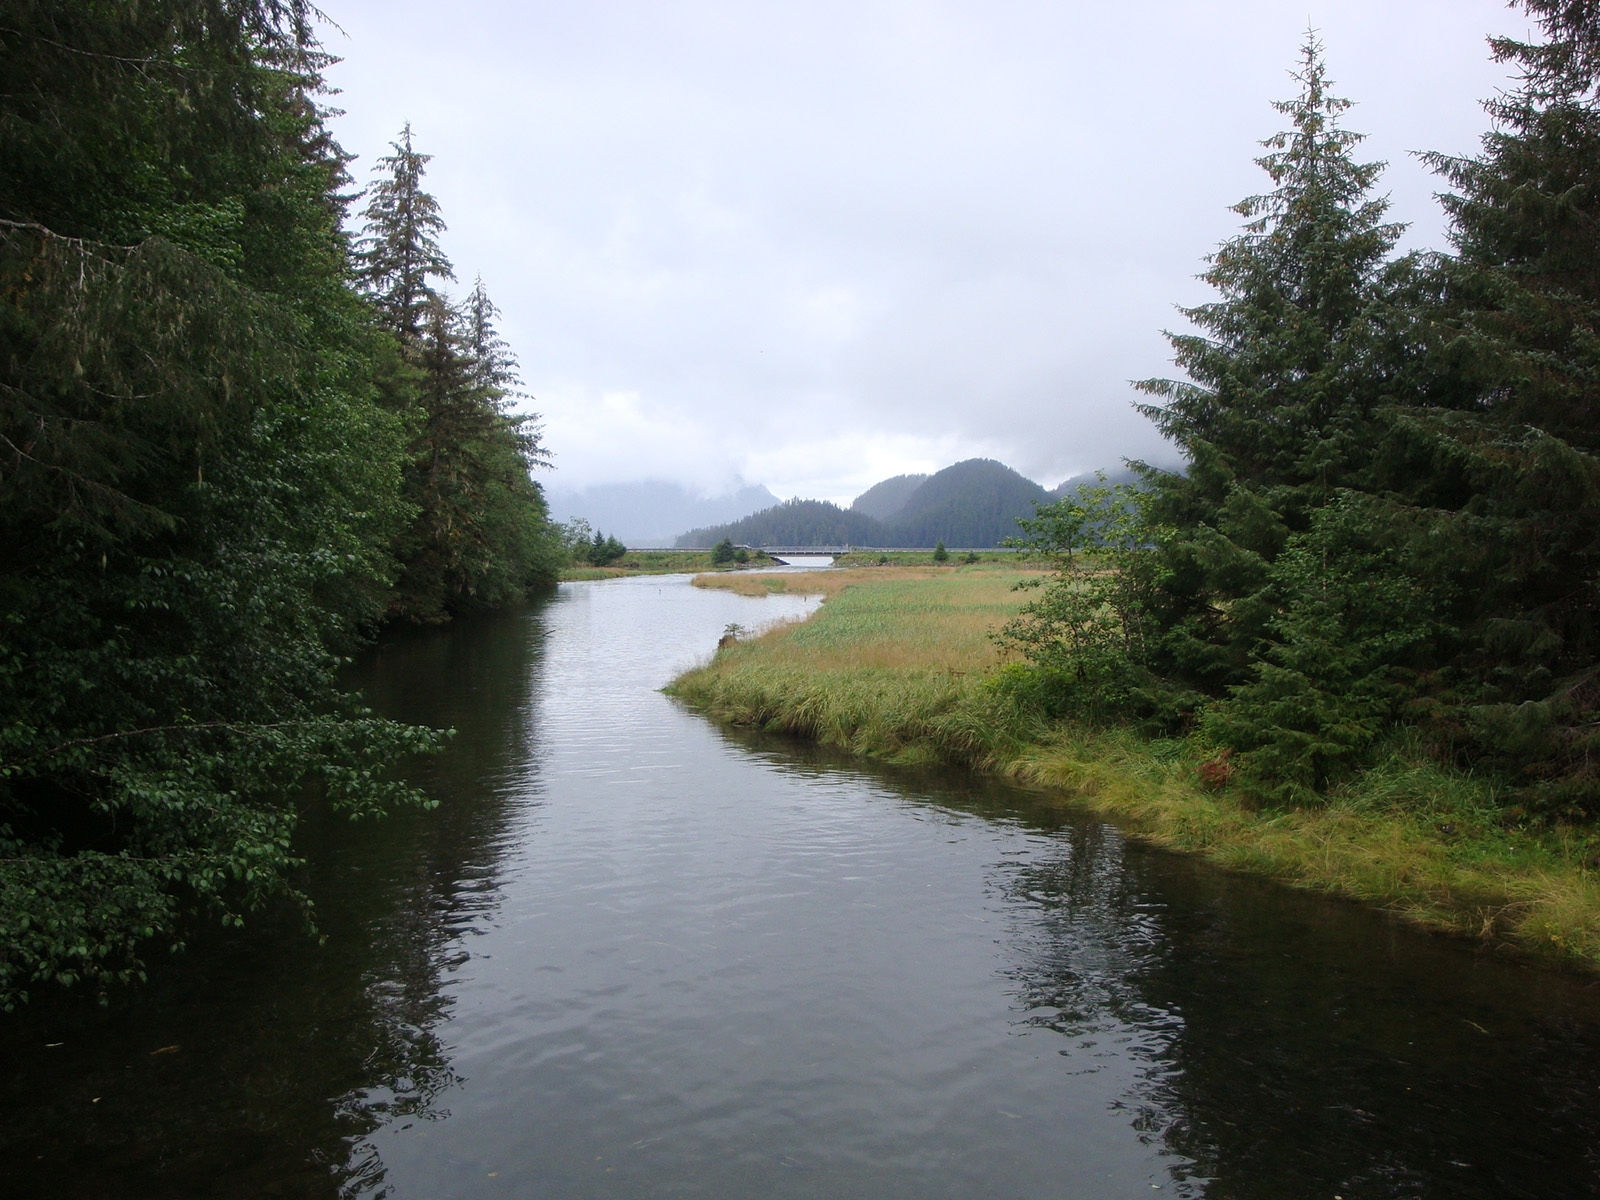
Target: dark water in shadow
[(633, 955)]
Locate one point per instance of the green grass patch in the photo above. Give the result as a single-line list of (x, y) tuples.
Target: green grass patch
[(660, 562), (899, 665), (1004, 559)]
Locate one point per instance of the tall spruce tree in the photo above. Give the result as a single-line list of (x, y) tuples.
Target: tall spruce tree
[(482, 533), (1272, 608), (400, 251), (494, 366), (1275, 413), (1511, 422)]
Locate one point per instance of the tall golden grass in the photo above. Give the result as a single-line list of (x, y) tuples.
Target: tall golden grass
[(898, 664)]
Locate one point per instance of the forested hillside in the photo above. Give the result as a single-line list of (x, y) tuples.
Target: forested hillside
[(230, 443), (1388, 539), (1074, 484), (972, 503), (887, 497), (792, 523)]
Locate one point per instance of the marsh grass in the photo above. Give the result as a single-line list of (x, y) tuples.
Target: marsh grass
[(898, 664), (834, 580), (1002, 559), (651, 562)]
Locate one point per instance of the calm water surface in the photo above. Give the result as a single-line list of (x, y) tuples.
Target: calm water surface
[(632, 955)]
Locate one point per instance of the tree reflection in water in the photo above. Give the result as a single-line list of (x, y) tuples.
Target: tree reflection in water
[(261, 1064), (1297, 1047)]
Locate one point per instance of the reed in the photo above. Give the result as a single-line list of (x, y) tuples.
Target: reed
[(898, 664)]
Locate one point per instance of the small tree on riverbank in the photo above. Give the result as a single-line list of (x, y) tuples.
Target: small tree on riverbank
[(1087, 633)]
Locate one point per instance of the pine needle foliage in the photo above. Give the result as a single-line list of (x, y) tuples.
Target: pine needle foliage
[(1276, 412), (1512, 421), (400, 251), (1390, 508)]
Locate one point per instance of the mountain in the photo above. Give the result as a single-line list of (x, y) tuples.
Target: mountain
[(794, 523), (1113, 475), (654, 512), (882, 500), (973, 503)]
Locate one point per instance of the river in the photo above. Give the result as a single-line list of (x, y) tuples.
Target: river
[(631, 954)]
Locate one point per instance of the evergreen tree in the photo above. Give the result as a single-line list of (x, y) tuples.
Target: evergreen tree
[(495, 372), (1510, 424), (494, 366), (400, 251), (1244, 590), (197, 491), (482, 534), (1277, 411)]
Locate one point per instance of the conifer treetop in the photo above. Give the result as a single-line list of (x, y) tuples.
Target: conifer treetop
[(494, 364), (1319, 231), (1566, 67), (1292, 284), (399, 252)]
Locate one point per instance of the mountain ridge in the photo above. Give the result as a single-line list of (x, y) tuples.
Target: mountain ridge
[(887, 497), (970, 504)]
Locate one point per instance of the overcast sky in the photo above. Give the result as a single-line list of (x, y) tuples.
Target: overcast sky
[(814, 244)]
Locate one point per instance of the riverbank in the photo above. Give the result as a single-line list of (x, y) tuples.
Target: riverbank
[(677, 562), (659, 562), (898, 665)]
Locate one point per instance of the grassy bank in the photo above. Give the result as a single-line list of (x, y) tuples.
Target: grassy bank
[(898, 665), (925, 558), (655, 562), (831, 582), (673, 562)]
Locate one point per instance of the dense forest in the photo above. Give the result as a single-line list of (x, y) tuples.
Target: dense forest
[(234, 439), (887, 497), (1387, 539), (975, 503), (792, 523)]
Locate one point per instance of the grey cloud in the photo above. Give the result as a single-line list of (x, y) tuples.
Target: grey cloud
[(821, 243)]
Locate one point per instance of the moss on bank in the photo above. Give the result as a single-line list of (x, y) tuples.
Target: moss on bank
[(899, 666)]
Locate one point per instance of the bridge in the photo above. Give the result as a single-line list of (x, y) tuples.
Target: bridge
[(782, 552), (773, 551), (836, 551)]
